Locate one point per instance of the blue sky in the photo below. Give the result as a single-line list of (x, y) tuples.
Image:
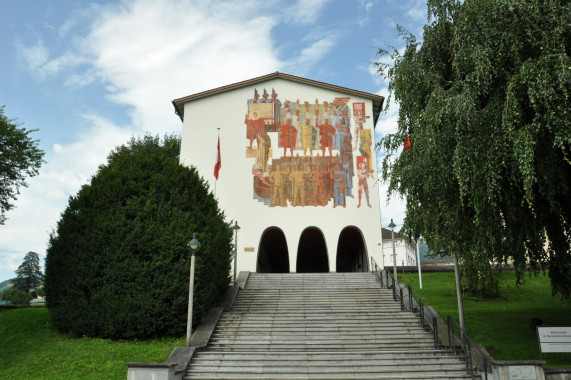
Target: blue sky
[(89, 75)]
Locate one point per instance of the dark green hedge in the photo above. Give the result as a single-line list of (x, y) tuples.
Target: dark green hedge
[(118, 263)]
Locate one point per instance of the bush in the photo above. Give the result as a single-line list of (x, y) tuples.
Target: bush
[(118, 263), (17, 297)]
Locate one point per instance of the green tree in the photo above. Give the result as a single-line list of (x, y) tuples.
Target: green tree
[(20, 157), (118, 263), (29, 274), (17, 297), (485, 100), (41, 292)]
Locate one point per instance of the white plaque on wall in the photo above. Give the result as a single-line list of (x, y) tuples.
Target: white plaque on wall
[(522, 372)]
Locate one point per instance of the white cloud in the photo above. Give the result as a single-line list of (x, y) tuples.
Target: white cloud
[(304, 11), (146, 53), (417, 10), (33, 57), (37, 61), (311, 55), (182, 49), (395, 208), (39, 206)]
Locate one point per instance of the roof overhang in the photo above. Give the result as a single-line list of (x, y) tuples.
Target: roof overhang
[(376, 99)]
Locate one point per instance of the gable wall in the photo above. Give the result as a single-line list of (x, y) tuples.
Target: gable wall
[(235, 186)]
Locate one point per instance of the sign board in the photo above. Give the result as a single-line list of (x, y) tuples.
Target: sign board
[(554, 338)]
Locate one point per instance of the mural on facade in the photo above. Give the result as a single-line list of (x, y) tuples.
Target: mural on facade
[(319, 148)]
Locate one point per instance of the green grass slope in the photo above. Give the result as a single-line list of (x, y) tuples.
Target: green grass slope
[(31, 349), (501, 325)]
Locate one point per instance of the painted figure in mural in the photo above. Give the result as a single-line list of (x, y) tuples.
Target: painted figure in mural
[(256, 97), (277, 109), (278, 180), (339, 186), (363, 173), (326, 131), (347, 165), (340, 130), (365, 144), (253, 127), (265, 97), (359, 115), (288, 136), (297, 177), (306, 135), (264, 145), (319, 178), (250, 130), (346, 157)]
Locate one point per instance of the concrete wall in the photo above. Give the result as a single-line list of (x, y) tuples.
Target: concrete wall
[(235, 186)]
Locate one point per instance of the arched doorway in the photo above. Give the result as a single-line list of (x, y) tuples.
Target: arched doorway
[(351, 251), (312, 252), (273, 255)]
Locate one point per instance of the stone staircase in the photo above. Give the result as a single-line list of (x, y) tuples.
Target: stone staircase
[(330, 325)]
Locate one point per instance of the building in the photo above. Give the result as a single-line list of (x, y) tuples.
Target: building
[(405, 251), (298, 170)]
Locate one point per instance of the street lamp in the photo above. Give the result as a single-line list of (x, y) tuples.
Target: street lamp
[(392, 227), (193, 244), (418, 261), (236, 228), (459, 296)]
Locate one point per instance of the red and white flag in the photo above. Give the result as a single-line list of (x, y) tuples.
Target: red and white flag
[(218, 162)]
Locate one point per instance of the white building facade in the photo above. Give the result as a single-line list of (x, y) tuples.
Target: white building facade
[(298, 170), (405, 251)]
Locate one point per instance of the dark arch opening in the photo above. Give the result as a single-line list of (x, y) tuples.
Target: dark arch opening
[(351, 251), (312, 252), (273, 255)]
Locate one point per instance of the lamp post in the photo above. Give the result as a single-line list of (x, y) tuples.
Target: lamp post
[(392, 227), (418, 262), (193, 244), (459, 296), (236, 228)]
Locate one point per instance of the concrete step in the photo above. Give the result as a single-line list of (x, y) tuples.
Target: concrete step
[(309, 346), (323, 325), (326, 355)]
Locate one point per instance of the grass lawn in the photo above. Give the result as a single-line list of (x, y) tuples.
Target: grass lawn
[(501, 325), (31, 349)]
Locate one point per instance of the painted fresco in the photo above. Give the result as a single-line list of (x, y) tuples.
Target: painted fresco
[(308, 153)]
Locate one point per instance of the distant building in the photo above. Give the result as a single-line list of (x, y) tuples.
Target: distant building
[(404, 249)]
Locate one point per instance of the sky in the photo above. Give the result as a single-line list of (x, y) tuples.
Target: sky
[(90, 75)]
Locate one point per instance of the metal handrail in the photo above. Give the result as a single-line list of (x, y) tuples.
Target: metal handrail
[(467, 347), (414, 298), (390, 282)]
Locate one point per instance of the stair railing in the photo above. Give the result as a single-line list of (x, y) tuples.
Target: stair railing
[(416, 303), (468, 346), (386, 280)]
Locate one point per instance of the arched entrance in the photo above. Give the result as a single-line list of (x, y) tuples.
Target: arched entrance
[(351, 251), (273, 255), (312, 252)]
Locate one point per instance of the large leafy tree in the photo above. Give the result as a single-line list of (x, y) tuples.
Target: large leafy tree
[(20, 158), (118, 263), (29, 273), (485, 103)]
